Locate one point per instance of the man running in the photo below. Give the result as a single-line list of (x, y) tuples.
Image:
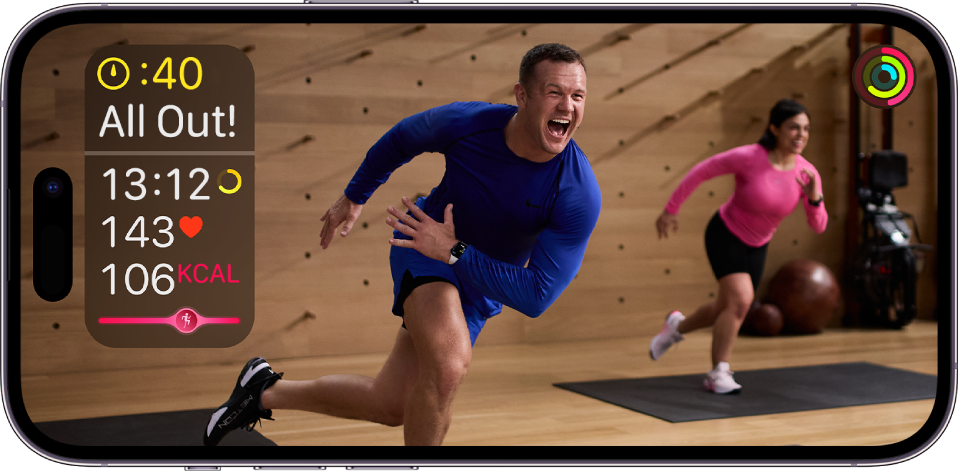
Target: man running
[(525, 202)]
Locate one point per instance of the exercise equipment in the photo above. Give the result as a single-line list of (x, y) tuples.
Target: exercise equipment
[(807, 293), (885, 267), (763, 319)]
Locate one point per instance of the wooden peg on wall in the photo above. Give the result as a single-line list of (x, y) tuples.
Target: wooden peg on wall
[(303, 140), (413, 30), (305, 317), (47, 138), (360, 55)]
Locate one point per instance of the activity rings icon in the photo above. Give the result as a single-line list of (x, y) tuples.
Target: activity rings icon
[(884, 76), (239, 181)]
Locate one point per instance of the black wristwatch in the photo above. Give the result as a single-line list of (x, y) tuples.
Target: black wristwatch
[(817, 203), (456, 252)]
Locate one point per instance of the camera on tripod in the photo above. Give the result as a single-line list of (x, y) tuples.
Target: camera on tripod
[(884, 269), (887, 170)]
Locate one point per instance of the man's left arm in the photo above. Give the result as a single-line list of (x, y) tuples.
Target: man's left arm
[(555, 260)]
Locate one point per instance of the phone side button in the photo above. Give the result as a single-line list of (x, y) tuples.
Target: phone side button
[(288, 468), (202, 468)]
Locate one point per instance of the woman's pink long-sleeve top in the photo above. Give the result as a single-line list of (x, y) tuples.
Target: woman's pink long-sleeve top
[(763, 196)]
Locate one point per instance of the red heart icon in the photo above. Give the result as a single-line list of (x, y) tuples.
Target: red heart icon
[(191, 225)]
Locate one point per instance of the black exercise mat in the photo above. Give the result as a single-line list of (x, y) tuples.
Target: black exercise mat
[(179, 428), (771, 391)]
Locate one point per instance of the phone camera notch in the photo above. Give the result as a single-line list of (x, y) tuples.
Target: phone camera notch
[(52, 234)]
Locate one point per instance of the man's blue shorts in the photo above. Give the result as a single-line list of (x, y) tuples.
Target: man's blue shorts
[(411, 269)]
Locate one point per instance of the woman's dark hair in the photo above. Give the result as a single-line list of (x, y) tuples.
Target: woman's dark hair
[(782, 110), (546, 52)]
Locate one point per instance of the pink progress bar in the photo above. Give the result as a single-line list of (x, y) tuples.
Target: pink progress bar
[(186, 320)]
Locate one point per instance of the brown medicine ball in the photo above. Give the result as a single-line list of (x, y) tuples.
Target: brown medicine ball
[(763, 319), (807, 293)]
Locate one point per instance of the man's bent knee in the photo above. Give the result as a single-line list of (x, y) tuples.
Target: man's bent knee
[(394, 418), (439, 331), (447, 378)]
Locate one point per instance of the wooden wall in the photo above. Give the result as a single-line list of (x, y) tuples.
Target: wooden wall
[(660, 99)]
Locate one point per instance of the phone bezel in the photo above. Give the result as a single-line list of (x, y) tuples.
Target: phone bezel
[(419, 13)]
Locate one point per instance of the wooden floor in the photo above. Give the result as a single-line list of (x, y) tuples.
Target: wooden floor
[(508, 397)]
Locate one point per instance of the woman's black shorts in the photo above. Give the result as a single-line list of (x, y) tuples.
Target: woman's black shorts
[(728, 254)]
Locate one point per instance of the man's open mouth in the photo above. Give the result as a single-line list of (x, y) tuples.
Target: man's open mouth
[(558, 127)]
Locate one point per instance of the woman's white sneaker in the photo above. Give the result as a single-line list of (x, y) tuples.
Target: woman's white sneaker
[(668, 336), (720, 381)]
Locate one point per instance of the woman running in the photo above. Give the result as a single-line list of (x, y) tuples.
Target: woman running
[(771, 177)]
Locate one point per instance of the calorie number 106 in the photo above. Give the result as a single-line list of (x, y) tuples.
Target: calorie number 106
[(146, 279)]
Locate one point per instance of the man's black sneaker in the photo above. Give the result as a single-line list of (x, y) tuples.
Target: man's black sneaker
[(243, 409)]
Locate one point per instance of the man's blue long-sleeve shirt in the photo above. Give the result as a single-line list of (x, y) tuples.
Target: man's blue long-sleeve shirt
[(508, 209)]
